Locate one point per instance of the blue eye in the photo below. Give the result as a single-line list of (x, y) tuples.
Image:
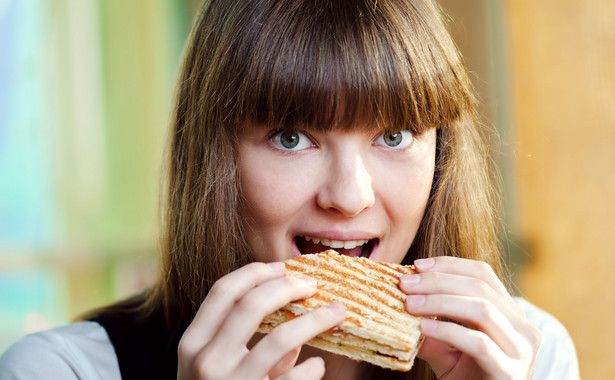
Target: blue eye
[(395, 139), (291, 140)]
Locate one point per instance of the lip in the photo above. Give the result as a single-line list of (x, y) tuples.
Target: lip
[(338, 235)]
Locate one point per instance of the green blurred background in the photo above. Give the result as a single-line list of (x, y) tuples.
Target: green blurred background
[(86, 88)]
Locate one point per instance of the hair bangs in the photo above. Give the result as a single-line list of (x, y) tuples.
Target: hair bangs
[(351, 64)]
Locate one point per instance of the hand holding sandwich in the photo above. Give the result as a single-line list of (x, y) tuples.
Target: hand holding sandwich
[(215, 345), (493, 339)]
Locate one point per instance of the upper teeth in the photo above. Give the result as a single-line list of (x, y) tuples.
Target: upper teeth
[(348, 244)]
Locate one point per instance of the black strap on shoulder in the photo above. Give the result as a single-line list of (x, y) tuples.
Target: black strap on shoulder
[(144, 348)]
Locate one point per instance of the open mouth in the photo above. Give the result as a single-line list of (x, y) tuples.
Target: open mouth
[(353, 248)]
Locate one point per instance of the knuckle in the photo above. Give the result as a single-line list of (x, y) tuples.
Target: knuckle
[(229, 286), (204, 367), (250, 303), (201, 371), (483, 288), (485, 267), (259, 268), (223, 287), (212, 364), (185, 348), (482, 346), (435, 302), (484, 309)]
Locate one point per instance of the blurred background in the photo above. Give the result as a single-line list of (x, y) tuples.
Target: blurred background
[(85, 95)]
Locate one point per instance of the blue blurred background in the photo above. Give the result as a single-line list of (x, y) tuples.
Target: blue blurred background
[(85, 95)]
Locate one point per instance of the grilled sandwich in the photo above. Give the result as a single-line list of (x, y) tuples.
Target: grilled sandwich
[(377, 328)]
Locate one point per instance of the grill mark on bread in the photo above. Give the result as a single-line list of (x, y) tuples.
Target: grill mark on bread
[(362, 312), (336, 336), (376, 295), (371, 294), (330, 273), (385, 300), (375, 278), (388, 332), (359, 264), (377, 328), (372, 291)]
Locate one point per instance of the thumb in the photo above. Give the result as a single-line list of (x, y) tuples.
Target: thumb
[(441, 357), (285, 364)]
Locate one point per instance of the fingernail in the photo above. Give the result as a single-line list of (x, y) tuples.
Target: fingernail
[(277, 266), (410, 279), (428, 325), (422, 264), (416, 301), (309, 281), (337, 309)]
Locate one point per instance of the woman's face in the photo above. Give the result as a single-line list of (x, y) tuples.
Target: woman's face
[(361, 193)]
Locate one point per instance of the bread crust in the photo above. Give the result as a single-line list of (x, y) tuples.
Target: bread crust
[(377, 328)]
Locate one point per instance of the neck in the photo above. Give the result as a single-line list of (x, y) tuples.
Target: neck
[(336, 367)]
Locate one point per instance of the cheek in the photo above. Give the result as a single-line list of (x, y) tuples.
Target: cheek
[(404, 193), (269, 199), (408, 201)]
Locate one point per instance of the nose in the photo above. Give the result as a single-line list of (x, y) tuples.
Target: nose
[(348, 188)]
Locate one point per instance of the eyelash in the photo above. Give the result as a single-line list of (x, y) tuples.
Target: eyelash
[(270, 136), (274, 132), (405, 134)]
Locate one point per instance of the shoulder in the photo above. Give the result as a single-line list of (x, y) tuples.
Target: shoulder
[(556, 358), (81, 350)]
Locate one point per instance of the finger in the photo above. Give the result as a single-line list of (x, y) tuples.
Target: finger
[(441, 356), (462, 267), (476, 312), (248, 313), (475, 344), (211, 363), (221, 299), (291, 334), (285, 364), (453, 284), (311, 369)]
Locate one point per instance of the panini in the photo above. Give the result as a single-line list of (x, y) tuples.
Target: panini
[(377, 328)]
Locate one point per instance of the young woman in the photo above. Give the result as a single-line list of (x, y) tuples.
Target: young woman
[(302, 125)]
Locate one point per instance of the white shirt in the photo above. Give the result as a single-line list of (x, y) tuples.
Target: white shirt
[(83, 351)]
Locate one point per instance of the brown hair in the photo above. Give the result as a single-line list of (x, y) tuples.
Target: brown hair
[(323, 64)]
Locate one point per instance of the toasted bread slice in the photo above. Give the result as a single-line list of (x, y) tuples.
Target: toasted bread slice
[(377, 328)]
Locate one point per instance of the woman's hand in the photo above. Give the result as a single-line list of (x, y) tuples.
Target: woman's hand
[(215, 345), (492, 338)]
